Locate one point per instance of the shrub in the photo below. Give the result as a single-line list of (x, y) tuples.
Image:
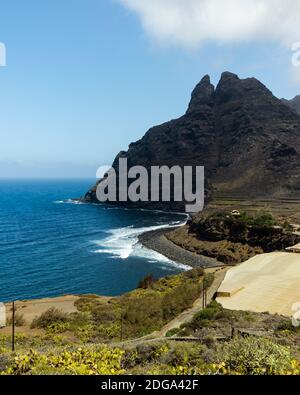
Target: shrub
[(79, 319), (49, 317), (88, 302), (82, 361), (186, 354), (141, 311), (110, 330), (105, 313), (210, 341), (57, 327), (146, 282), (209, 312), (265, 220), (195, 273), (253, 356), (172, 332), (19, 320), (208, 280), (287, 325), (142, 315), (85, 332)]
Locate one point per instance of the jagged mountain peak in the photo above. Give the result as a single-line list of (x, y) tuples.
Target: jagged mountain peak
[(227, 75), (202, 95), (229, 88), (246, 138)]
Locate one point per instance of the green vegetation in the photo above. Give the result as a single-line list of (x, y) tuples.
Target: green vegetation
[(240, 356), (134, 314), (146, 282), (212, 311), (19, 320), (75, 343), (254, 356), (49, 318), (234, 238), (172, 332), (236, 228), (287, 327), (101, 360)]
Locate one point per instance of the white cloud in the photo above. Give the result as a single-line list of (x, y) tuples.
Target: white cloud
[(190, 23)]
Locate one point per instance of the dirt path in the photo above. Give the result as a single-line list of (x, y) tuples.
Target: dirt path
[(31, 309), (188, 315)]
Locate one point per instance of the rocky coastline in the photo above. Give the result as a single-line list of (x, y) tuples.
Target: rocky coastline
[(156, 240), (219, 239)]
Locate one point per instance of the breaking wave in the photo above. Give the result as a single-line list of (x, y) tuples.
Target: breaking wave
[(124, 243)]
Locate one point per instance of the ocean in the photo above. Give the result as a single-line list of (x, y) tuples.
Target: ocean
[(51, 246)]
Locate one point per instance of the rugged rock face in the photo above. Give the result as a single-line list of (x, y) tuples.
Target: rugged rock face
[(247, 139), (294, 103), (231, 239), (265, 236)]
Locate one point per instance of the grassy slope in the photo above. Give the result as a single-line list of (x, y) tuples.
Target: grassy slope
[(268, 353), (57, 353)]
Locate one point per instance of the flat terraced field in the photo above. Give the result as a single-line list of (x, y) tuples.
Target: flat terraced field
[(265, 283), (286, 207)]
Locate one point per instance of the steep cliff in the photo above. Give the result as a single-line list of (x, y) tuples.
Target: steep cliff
[(247, 139)]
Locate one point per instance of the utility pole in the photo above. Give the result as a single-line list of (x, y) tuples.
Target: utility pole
[(121, 325), (233, 332), (204, 297), (13, 327)]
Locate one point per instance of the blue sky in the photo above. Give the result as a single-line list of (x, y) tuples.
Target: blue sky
[(84, 78)]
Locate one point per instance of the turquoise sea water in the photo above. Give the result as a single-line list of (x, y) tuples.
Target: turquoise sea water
[(50, 246)]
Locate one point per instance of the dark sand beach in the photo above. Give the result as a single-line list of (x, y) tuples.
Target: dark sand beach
[(157, 241)]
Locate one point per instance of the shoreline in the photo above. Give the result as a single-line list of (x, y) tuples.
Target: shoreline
[(155, 240)]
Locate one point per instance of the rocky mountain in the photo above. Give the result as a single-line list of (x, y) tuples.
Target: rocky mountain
[(247, 139), (294, 103)]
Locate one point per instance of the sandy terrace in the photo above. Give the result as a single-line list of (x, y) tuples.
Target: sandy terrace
[(265, 283), (33, 308)]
